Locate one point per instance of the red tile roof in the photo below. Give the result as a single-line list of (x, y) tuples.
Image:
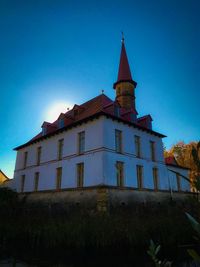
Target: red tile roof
[(171, 161), (100, 105), (145, 121)]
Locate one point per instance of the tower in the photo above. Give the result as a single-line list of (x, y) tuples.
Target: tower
[(125, 85)]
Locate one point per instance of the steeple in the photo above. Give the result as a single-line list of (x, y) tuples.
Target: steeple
[(125, 85)]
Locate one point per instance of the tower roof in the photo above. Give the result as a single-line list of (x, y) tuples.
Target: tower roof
[(124, 72)]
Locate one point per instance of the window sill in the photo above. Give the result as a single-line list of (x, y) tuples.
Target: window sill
[(81, 153), (119, 152)]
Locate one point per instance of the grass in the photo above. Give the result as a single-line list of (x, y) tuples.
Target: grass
[(37, 230)]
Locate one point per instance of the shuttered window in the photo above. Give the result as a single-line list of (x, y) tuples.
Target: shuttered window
[(23, 178), (36, 181), (137, 146), (152, 150), (81, 142), (120, 173), (118, 141), (39, 151), (58, 178), (80, 174), (60, 148), (25, 159), (140, 176), (155, 178)]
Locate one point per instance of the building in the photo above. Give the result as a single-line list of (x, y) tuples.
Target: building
[(178, 175), (3, 177), (100, 143)]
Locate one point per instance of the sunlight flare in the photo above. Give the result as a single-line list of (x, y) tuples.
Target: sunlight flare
[(54, 110)]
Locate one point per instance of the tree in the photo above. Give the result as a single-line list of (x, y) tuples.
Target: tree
[(196, 172), (187, 155)]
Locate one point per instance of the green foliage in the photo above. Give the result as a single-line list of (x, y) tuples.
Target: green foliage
[(187, 155), (194, 255), (196, 226), (153, 251), (8, 198), (194, 223), (7, 195)]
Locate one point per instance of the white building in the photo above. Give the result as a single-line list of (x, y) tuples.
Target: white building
[(101, 142)]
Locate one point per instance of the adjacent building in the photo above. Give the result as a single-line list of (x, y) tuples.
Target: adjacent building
[(3, 177)]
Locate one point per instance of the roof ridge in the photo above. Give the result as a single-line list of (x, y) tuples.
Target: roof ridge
[(98, 96)]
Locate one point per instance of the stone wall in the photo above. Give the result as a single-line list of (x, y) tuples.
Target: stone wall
[(103, 197)]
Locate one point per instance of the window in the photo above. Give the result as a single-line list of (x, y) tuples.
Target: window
[(81, 142), (140, 176), (60, 148), (116, 111), (58, 178), (119, 90), (36, 181), (22, 183), (75, 112), (120, 173), (39, 151), (118, 141), (137, 146), (178, 179), (80, 174), (155, 178), (44, 130), (152, 148), (133, 117), (61, 123), (25, 159)]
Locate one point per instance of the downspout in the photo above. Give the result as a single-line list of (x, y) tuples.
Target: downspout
[(170, 187)]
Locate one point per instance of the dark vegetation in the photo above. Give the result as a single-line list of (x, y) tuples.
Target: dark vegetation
[(31, 231), (188, 155)]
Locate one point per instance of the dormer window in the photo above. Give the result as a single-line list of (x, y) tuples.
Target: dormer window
[(45, 127), (133, 117), (116, 111), (44, 131), (75, 112), (61, 123)]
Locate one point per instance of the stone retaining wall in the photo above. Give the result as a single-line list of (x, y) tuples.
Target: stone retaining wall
[(102, 197)]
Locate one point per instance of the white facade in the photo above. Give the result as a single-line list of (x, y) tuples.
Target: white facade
[(178, 178), (99, 159)]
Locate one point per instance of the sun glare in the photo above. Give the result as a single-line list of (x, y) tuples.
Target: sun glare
[(55, 109)]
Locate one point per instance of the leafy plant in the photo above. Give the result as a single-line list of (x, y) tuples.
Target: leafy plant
[(153, 252), (196, 227)]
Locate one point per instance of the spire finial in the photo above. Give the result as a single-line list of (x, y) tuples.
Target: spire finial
[(124, 72), (122, 37)]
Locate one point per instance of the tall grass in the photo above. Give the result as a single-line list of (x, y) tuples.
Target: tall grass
[(39, 229)]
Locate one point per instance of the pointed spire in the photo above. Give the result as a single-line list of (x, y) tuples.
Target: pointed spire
[(124, 72)]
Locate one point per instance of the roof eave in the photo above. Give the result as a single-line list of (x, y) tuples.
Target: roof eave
[(74, 124), (122, 81), (177, 166)]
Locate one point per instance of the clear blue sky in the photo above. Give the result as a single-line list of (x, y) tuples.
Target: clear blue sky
[(52, 51)]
